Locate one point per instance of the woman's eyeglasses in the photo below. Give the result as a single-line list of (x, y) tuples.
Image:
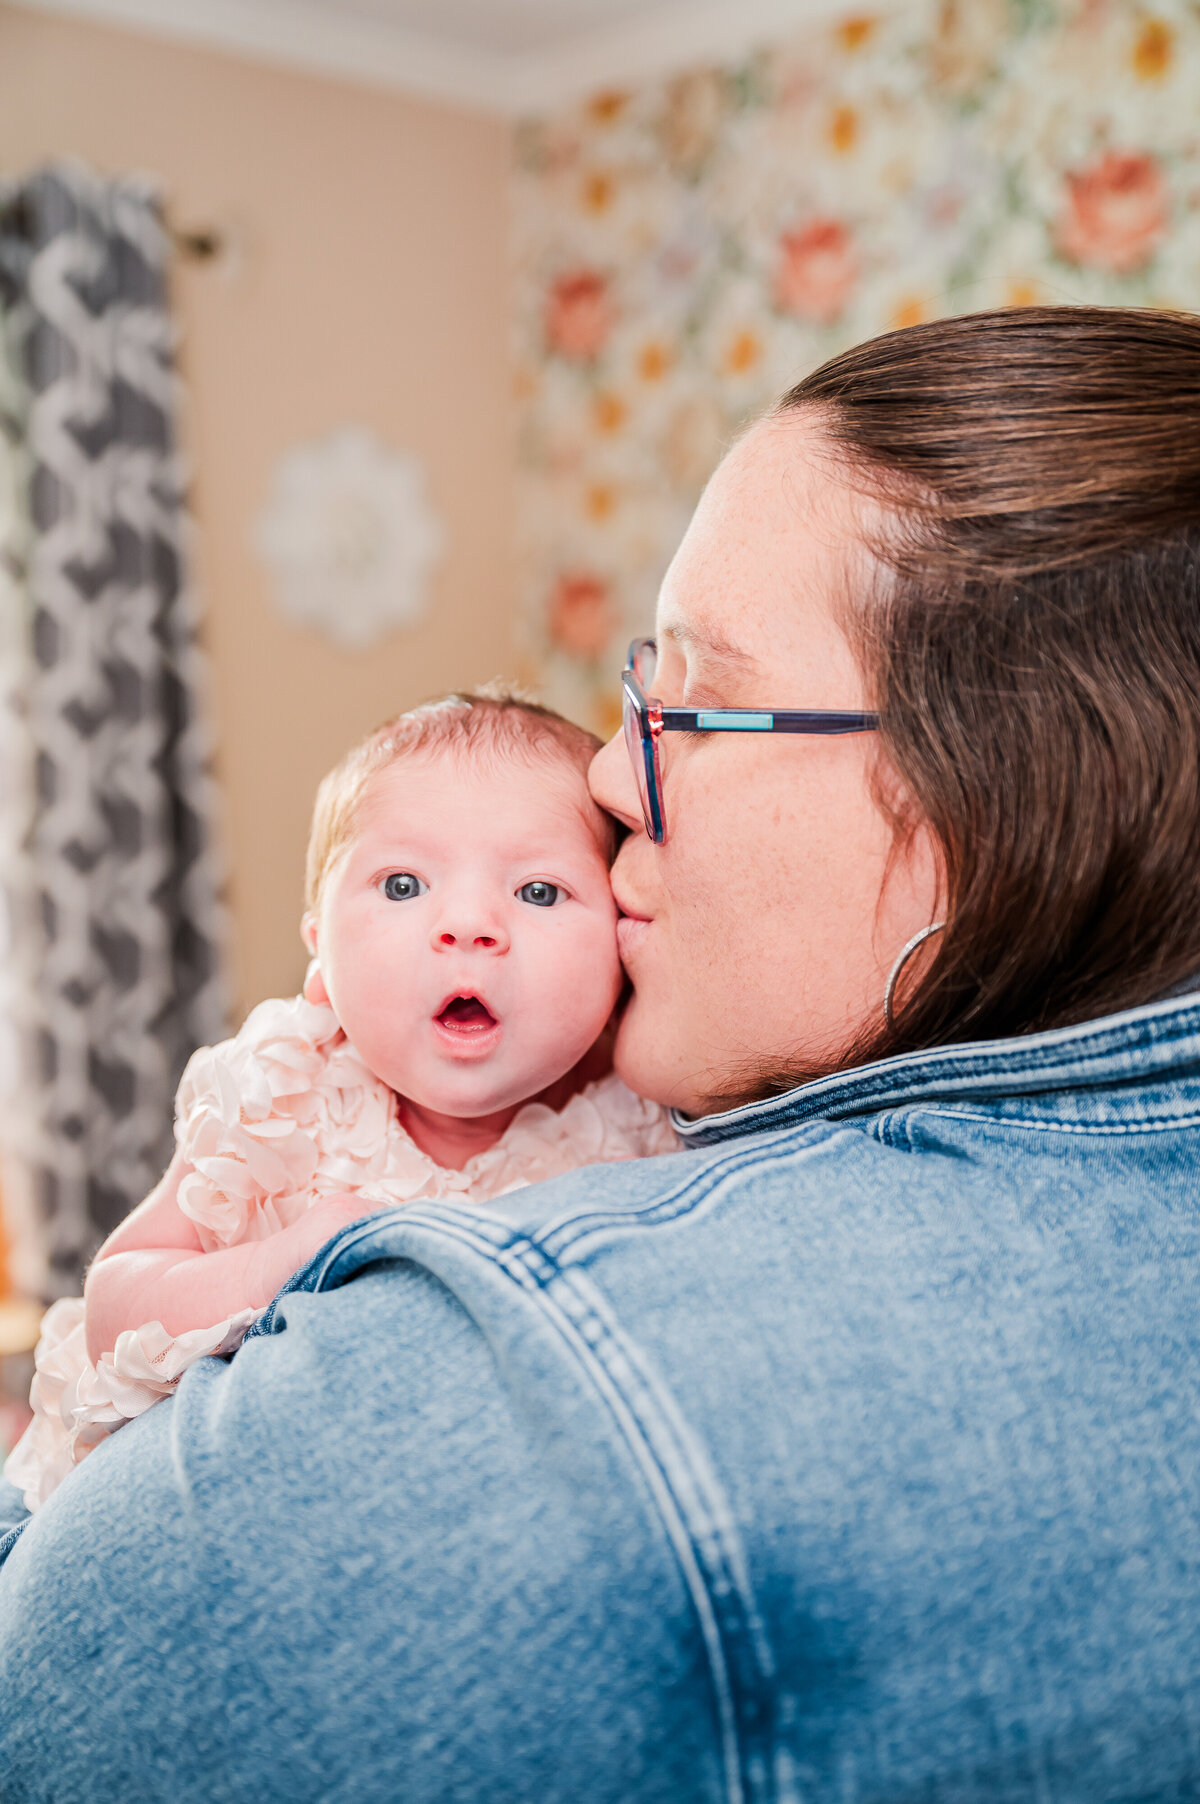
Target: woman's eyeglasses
[(645, 720)]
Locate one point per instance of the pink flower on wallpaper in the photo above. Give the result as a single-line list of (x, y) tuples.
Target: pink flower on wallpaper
[(1116, 212), (816, 272), (580, 616), (579, 314)]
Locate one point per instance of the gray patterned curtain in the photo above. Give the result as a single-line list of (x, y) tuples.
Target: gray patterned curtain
[(116, 920)]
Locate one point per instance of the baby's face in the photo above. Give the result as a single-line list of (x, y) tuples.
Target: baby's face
[(467, 937)]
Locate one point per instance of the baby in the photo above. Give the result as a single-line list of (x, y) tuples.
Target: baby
[(464, 970)]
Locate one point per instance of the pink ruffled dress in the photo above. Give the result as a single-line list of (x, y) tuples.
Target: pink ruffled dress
[(281, 1115)]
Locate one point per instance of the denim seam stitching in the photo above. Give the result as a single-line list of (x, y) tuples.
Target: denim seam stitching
[(1162, 1124), (892, 1130), (707, 1522)]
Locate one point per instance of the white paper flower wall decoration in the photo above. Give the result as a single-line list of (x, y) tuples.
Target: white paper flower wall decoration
[(350, 537)]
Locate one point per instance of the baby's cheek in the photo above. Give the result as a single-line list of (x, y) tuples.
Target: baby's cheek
[(610, 961), (599, 974), (582, 973), (375, 1001)]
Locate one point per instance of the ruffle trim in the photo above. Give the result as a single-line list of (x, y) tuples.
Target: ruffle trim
[(271, 1121), (77, 1404)]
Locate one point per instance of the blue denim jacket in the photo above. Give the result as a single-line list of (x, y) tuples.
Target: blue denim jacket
[(849, 1456)]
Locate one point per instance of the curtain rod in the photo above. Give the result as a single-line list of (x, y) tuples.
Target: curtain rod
[(196, 244), (193, 244)]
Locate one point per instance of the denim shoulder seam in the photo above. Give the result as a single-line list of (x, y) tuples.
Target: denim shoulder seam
[(10, 1537), (560, 1237), (695, 1517)]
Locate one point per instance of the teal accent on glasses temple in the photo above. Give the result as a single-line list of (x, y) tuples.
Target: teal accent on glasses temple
[(735, 721)]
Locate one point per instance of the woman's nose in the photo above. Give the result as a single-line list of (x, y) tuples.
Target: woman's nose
[(610, 780)]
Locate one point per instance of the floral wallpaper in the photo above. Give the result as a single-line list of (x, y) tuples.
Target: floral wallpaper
[(686, 251)]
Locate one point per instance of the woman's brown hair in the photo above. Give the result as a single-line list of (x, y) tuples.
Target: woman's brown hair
[(1035, 650)]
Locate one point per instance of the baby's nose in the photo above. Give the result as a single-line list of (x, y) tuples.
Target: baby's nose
[(470, 927)]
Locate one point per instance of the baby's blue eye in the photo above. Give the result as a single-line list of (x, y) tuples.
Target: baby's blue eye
[(402, 886), (540, 893)]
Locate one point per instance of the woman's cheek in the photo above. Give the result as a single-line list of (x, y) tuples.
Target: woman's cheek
[(698, 885)]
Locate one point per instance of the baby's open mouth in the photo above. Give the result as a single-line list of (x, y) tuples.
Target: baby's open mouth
[(466, 1014)]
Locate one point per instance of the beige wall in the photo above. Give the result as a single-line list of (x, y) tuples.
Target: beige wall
[(373, 292)]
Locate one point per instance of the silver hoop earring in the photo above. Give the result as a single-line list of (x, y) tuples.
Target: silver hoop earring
[(905, 953)]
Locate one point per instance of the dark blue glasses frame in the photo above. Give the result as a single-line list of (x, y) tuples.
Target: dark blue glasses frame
[(645, 720)]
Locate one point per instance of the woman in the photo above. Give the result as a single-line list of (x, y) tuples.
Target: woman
[(853, 1453), (987, 528)]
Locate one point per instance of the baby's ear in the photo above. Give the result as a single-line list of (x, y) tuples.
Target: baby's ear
[(314, 985)]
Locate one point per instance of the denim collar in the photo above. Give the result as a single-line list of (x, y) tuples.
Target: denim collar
[(1160, 1038)]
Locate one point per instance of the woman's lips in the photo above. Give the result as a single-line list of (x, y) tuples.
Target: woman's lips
[(631, 931)]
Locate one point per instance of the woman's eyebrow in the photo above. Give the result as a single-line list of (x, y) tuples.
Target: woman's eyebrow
[(711, 647)]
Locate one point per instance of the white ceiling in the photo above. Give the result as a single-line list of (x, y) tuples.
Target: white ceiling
[(505, 56), (507, 27)]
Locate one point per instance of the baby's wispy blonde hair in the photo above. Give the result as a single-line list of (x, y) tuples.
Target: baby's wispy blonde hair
[(495, 719)]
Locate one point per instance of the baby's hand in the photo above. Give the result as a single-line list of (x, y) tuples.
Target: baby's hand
[(327, 1218), (280, 1255)]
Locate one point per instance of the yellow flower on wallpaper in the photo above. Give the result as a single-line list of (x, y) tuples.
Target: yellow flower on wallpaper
[(688, 250), (910, 312), (743, 352), (843, 130), (855, 31), (609, 411), (597, 191), (1153, 49), (606, 107), (655, 359), (600, 501)]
